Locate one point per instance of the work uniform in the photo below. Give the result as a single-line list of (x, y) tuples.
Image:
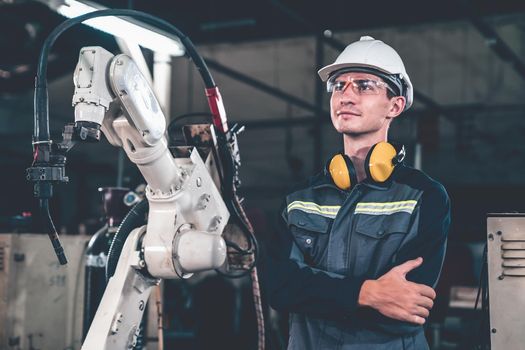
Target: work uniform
[(334, 240)]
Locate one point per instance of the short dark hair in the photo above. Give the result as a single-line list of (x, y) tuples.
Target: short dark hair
[(390, 94), (390, 90)]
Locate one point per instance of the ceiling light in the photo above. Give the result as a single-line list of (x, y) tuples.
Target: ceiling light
[(139, 33)]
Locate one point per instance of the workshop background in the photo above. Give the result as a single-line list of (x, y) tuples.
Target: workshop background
[(466, 128)]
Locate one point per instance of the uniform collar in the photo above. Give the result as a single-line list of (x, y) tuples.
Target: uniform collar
[(322, 180), (383, 186)]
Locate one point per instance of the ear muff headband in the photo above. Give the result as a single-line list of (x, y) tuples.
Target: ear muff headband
[(342, 171), (380, 164)]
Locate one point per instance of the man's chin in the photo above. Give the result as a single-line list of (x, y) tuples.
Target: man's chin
[(354, 130), (347, 131)]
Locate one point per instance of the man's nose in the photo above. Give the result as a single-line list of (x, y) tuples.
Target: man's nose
[(348, 96)]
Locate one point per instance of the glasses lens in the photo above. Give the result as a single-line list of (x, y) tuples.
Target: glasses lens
[(339, 85), (366, 87), (359, 86), (331, 85)]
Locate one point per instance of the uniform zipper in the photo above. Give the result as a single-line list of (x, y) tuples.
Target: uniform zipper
[(353, 195)]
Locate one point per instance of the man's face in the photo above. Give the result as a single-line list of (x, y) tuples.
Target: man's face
[(358, 113)]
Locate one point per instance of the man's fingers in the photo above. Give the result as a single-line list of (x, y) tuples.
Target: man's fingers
[(425, 302), (426, 291), (422, 312), (409, 265), (408, 317), (417, 320)]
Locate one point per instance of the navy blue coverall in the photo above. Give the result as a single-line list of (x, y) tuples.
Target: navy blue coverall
[(334, 240)]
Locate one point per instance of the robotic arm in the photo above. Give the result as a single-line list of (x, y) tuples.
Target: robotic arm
[(184, 201), (187, 214)]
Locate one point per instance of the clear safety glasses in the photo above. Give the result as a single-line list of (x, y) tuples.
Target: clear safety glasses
[(359, 86)]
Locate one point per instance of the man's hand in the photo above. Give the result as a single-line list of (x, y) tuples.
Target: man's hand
[(395, 297)]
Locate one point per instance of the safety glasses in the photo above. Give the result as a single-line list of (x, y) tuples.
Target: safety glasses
[(359, 86)]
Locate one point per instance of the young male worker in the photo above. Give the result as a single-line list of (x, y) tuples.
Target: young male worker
[(365, 238)]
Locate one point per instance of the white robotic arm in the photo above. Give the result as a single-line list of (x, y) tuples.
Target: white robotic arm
[(187, 214)]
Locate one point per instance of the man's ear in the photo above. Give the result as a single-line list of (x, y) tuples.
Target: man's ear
[(397, 105)]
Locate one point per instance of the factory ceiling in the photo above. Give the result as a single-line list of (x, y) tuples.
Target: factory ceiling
[(25, 25)]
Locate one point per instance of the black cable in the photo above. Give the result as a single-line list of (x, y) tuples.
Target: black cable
[(237, 208), (171, 125), (253, 248), (88, 281), (133, 219), (481, 274), (189, 115), (234, 206), (479, 342), (52, 232), (237, 248)]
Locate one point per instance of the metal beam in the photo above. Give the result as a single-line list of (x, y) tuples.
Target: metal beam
[(262, 86), (457, 111), (278, 123), (494, 41), (428, 102)]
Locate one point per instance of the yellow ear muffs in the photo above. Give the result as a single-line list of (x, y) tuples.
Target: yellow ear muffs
[(342, 171), (381, 161)]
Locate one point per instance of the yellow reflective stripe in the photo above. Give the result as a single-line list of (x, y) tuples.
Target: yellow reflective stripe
[(310, 207), (386, 208), (384, 211), (316, 212), (382, 204), (314, 205)]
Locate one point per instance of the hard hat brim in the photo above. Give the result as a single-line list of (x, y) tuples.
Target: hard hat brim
[(327, 71)]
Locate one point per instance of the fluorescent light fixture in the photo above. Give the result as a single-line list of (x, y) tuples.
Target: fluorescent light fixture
[(130, 32)]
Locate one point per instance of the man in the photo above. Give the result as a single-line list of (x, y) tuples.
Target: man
[(362, 250)]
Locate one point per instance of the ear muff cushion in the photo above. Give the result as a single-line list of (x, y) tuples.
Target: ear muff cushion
[(342, 171), (378, 164)]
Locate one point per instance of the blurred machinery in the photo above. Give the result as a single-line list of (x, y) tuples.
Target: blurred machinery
[(40, 300), (39, 296)]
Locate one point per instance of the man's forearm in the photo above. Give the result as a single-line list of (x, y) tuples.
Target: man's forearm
[(395, 297), (293, 287)]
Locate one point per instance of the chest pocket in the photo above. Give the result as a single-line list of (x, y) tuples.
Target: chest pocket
[(376, 240), (310, 232)]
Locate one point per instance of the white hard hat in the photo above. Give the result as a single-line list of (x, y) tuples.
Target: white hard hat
[(374, 55)]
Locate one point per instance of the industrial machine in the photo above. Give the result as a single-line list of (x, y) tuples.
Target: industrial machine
[(506, 268), (32, 283), (193, 211)]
